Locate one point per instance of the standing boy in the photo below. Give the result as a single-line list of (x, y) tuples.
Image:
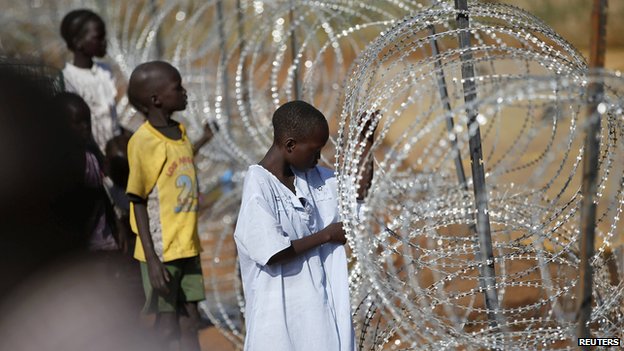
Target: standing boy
[(84, 33), (89, 198), (290, 242), (162, 187)]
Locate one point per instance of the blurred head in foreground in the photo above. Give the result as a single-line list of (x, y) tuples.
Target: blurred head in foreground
[(52, 296)]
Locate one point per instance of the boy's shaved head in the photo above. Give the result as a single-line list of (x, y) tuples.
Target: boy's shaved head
[(146, 80), (296, 119)]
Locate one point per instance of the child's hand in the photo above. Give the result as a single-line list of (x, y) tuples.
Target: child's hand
[(337, 233), (210, 129), (158, 275), (368, 122), (123, 233), (123, 243)]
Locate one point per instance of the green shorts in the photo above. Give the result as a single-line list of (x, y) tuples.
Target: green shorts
[(186, 285)]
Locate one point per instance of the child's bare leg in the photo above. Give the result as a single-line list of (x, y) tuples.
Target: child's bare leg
[(188, 319), (167, 327)]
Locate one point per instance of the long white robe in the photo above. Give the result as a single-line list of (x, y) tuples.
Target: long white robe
[(302, 304)]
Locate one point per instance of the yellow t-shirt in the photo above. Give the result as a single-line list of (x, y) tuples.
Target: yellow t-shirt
[(162, 171)]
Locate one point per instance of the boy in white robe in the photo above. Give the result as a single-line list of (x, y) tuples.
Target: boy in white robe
[(290, 242)]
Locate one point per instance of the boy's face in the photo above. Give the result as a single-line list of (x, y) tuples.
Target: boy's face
[(93, 40), (172, 95), (305, 153)]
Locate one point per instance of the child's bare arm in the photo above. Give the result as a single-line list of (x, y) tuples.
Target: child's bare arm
[(332, 233), (122, 234), (157, 272), (367, 160), (206, 137)]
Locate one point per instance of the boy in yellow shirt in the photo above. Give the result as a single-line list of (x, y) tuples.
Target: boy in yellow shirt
[(162, 187)]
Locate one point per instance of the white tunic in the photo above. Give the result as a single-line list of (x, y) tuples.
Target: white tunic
[(97, 87), (302, 304)]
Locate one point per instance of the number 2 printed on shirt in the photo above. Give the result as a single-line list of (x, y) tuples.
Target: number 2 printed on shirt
[(187, 195)]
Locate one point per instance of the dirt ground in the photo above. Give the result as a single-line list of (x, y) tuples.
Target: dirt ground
[(212, 340)]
